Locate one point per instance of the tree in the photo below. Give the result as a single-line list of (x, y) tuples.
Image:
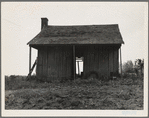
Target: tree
[(128, 67), (139, 66)]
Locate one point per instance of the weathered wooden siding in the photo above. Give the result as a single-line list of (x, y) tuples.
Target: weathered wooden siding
[(52, 71), (100, 59), (55, 62), (111, 59), (39, 63), (45, 61), (105, 60), (116, 60)]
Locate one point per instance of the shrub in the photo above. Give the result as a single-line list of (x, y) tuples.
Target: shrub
[(128, 67)]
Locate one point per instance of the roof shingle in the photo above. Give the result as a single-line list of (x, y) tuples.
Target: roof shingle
[(89, 34)]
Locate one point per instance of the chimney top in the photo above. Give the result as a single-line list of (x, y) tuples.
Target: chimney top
[(44, 19), (44, 22)]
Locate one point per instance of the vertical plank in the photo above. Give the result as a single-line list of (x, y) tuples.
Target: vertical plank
[(68, 63), (115, 60), (60, 59), (49, 61), (62, 62), (91, 59), (57, 60), (30, 58), (110, 59), (66, 72), (96, 65), (37, 67), (108, 63), (118, 59), (96, 60), (40, 64), (101, 60), (45, 62), (60, 55), (121, 61), (86, 61), (54, 65), (63, 59), (74, 63), (104, 61), (78, 68)]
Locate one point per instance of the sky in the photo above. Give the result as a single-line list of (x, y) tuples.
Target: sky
[(21, 21)]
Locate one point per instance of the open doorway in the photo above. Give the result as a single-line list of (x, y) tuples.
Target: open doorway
[(79, 66)]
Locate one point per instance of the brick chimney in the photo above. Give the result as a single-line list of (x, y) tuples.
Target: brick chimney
[(44, 22)]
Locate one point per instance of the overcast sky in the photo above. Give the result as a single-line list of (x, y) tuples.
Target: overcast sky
[(21, 21)]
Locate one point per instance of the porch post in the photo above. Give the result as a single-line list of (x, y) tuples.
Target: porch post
[(78, 68), (29, 58), (74, 63), (121, 61)]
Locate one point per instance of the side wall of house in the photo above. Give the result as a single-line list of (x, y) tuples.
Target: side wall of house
[(102, 60), (55, 62)]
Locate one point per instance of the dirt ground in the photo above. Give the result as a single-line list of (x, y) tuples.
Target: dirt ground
[(79, 94)]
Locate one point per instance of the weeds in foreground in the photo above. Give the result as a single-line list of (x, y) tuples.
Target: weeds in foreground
[(125, 93), (19, 82)]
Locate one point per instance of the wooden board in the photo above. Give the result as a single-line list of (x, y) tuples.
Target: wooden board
[(105, 62), (111, 59), (45, 62), (74, 62), (100, 61), (115, 61), (51, 62), (40, 63), (57, 61)]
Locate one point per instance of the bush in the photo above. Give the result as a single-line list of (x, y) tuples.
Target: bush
[(128, 67)]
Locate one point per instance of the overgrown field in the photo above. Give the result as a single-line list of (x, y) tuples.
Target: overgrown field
[(126, 93)]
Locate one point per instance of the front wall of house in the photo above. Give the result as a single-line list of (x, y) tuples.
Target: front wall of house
[(55, 62)]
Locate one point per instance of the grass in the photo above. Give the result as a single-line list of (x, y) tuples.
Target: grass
[(21, 83), (126, 93)]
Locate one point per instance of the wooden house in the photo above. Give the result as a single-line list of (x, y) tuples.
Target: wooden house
[(58, 47)]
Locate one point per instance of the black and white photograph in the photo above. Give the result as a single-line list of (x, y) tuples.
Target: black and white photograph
[(74, 58)]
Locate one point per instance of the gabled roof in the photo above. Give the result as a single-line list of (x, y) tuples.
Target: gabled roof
[(89, 34)]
